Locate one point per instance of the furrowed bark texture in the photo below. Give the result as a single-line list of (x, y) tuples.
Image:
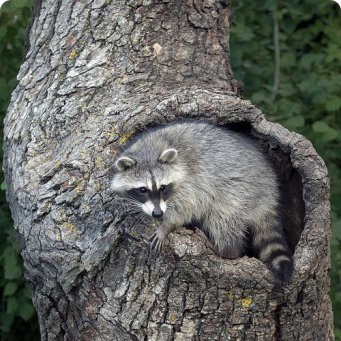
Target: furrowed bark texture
[(96, 73)]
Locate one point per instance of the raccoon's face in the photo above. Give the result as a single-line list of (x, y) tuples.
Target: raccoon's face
[(149, 183)]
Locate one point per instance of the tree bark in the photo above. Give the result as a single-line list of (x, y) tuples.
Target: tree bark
[(96, 73)]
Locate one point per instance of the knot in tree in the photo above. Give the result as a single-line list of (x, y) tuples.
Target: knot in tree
[(97, 74)]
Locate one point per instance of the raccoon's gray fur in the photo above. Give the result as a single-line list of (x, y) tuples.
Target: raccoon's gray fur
[(198, 172)]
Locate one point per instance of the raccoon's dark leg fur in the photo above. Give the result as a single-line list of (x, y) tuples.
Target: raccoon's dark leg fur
[(234, 250), (227, 236), (271, 248)]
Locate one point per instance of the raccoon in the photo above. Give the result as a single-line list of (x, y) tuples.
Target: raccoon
[(188, 172)]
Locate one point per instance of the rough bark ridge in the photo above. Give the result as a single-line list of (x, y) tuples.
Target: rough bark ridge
[(96, 73)]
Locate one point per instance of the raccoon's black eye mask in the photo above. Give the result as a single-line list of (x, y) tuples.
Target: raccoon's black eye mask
[(166, 191), (143, 194), (136, 193)]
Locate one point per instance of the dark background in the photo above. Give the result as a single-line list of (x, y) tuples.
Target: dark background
[(300, 89)]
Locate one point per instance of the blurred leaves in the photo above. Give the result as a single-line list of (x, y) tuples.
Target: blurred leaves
[(309, 96), (12, 269), (18, 320), (10, 288)]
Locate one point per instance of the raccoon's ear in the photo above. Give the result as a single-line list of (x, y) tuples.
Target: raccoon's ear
[(124, 163), (168, 155)]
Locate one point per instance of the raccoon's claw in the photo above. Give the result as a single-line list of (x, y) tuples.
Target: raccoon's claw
[(155, 242)]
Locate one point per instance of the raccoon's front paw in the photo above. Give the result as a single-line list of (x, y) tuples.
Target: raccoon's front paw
[(156, 241)]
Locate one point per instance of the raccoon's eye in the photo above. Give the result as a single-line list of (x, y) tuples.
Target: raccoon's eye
[(166, 191), (143, 189)]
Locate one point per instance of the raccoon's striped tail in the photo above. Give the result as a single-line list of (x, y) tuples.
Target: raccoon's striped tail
[(271, 248)]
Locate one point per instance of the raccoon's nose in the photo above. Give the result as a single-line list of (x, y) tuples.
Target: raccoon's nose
[(157, 213)]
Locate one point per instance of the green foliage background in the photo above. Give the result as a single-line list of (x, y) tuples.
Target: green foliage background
[(308, 98), (18, 320), (305, 97)]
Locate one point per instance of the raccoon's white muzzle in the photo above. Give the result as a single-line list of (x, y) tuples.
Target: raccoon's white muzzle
[(153, 210)]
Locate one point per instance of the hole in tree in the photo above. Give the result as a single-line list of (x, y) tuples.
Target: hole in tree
[(291, 188)]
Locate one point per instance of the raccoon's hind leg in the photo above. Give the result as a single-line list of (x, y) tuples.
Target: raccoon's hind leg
[(235, 249), (227, 238), (270, 246)]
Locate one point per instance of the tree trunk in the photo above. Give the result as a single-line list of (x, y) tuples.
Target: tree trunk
[(96, 73)]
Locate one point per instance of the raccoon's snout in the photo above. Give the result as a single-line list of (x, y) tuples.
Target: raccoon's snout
[(154, 209), (157, 213)]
